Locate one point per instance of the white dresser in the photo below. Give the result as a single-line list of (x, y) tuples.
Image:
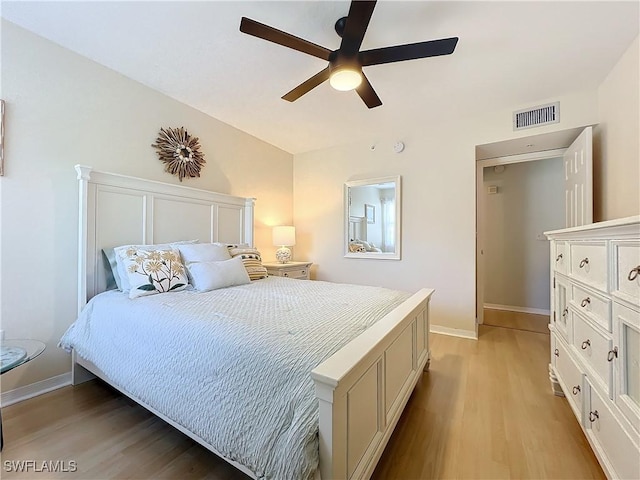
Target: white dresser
[(595, 336)]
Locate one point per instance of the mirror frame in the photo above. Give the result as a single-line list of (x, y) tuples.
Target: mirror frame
[(398, 203)]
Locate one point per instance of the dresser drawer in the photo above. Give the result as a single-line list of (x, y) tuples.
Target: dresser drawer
[(561, 317), (589, 263), (619, 444), (626, 270), (593, 347), (593, 305), (560, 255), (571, 377)]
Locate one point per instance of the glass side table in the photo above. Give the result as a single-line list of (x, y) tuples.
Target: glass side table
[(14, 353)]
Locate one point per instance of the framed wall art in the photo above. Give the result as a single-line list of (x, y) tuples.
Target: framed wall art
[(180, 152), (370, 213)]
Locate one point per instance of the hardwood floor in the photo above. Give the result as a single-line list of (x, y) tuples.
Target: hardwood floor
[(484, 410), (517, 320)]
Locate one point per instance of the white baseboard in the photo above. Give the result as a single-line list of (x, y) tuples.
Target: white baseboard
[(454, 332), (33, 390), (511, 308)]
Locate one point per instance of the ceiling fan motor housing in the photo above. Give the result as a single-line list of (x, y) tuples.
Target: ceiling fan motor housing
[(339, 26)]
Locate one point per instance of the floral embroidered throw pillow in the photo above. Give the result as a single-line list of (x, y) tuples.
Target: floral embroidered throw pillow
[(154, 271)]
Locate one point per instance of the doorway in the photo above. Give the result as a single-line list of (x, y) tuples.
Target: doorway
[(519, 201), (498, 239)]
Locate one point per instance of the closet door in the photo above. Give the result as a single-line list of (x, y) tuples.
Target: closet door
[(578, 180)]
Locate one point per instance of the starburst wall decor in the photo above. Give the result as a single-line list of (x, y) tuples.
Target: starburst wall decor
[(180, 152)]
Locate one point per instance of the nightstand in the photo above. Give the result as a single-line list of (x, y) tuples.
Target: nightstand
[(297, 270)]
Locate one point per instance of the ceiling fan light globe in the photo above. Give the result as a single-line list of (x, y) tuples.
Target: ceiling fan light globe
[(345, 79)]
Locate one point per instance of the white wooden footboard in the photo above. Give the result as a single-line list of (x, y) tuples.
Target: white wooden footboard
[(363, 388)]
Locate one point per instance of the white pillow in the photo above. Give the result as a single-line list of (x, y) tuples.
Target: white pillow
[(120, 254), (207, 276), (204, 252), (154, 271)]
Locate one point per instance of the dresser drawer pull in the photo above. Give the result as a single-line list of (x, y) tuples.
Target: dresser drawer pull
[(633, 274), (565, 312), (612, 354), (304, 272), (585, 302), (593, 416), (585, 261), (559, 257), (576, 389), (585, 344), (556, 352), (285, 274)]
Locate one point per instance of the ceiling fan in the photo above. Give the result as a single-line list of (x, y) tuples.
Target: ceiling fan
[(344, 71)]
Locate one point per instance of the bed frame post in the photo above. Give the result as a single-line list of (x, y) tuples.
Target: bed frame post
[(84, 174), (333, 432), (78, 373), (248, 221)]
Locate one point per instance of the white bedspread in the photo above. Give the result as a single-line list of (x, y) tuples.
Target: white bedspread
[(232, 365)]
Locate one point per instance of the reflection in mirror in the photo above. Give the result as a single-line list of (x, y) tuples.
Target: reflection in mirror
[(372, 218)]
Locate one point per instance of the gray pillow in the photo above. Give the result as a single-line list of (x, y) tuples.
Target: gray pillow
[(113, 279)]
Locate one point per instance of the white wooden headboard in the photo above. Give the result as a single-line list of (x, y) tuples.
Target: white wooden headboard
[(119, 210)]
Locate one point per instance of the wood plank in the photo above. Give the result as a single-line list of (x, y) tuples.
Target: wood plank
[(518, 320)]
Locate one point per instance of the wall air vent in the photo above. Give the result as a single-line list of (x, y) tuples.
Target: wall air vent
[(536, 116)]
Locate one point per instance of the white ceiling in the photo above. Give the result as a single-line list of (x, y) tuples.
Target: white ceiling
[(509, 54)]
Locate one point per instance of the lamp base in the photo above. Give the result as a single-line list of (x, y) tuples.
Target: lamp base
[(283, 254)]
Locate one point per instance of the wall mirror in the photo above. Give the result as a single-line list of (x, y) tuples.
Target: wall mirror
[(372, 218)]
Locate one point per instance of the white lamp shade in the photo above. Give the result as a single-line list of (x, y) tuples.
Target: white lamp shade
[(284, 236)]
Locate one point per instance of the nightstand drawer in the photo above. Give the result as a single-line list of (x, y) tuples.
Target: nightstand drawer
[(299, 273), (296, 270)]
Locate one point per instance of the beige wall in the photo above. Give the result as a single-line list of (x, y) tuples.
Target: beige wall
[(63, 109), (438, 204), (616, 140)]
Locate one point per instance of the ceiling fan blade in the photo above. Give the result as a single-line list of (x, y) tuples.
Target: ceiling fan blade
[(307, 85), (357, 22), (260, 30), (368, 94), (411, 51)]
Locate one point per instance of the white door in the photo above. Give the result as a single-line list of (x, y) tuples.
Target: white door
[(578, 180)]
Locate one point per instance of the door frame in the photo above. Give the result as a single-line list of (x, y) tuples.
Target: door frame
[(480, 165)]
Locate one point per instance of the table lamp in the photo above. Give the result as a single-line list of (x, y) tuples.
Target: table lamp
[(284, 236)]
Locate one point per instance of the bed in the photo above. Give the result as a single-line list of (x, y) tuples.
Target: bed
[(360, 387)]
